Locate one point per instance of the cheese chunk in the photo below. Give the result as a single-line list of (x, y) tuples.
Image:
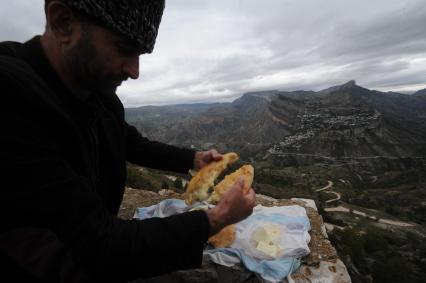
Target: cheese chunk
[(269, 249), (266, 239), (267, 233)]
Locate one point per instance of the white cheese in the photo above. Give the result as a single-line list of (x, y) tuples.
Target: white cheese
[(267, 233), (268, 248), (266, 239)]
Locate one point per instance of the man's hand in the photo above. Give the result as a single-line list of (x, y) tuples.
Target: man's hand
[(202, 158), (234, 206)]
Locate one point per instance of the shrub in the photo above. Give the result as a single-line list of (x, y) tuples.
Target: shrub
[(178, 184), (352, 244), (165, 185), (136, 180), (374, 241)]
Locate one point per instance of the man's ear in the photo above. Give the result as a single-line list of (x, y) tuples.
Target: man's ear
[(61, 21)]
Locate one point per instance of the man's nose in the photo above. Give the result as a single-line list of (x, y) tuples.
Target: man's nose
[(131, 67)]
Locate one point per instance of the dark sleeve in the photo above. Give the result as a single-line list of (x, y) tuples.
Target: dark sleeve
[(144, 152), (40, 189)]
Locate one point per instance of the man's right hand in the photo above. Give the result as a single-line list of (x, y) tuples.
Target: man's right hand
[(234, 206)]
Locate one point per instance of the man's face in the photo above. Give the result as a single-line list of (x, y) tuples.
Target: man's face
[(101, 60)]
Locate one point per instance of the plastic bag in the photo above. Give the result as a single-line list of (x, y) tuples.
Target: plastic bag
[(273, 233)]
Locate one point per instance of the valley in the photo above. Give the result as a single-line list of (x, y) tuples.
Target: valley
[(359, 153)]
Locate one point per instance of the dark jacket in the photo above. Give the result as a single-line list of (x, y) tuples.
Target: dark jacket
[(62, 176)]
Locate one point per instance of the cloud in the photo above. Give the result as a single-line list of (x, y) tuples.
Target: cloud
[(21, 19), (217, 50)]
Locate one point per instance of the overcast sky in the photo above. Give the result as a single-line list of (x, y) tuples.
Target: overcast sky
[(216, 50)]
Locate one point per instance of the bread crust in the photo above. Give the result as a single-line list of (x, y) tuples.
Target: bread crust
[(246, 172), (224, 238), (199, 185)]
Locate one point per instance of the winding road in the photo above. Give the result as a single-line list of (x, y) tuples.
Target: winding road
[(329, 191), (341, 208), (329, 185)]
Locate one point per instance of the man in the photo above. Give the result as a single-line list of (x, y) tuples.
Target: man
[(63, 151)]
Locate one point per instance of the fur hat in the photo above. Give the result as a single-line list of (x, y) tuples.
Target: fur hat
[(137, 20)]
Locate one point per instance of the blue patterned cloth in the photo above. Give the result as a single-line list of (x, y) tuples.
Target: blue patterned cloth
[(293, 219)]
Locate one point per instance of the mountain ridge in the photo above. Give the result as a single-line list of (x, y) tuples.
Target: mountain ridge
[(344, 121)]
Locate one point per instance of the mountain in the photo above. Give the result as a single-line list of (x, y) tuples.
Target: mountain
[(420, 92), (359, 153), (345, 121)]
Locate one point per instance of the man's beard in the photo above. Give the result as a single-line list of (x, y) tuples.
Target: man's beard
[(87, 69)]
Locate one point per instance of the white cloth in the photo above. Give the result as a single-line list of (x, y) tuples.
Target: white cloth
[(292, 220)]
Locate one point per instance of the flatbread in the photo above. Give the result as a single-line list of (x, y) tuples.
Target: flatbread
[(246, 172), (198, 190), (224, 238), (200, 184)]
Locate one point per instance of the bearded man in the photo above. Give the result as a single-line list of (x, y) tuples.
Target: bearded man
[(64, 147)]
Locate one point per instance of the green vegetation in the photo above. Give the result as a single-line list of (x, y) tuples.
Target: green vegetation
[(381, 254), (164, 185), (269, 177), (178, 185), (352, 243), (151, 180), (137, 180)]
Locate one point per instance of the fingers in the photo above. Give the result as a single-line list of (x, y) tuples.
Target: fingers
[(238, 188), (203, 158), (244, 189), (251, 197), (240, 183), (250, 193), (235, 205), (214, 155)]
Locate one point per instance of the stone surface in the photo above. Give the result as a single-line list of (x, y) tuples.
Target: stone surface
[(321, 265)]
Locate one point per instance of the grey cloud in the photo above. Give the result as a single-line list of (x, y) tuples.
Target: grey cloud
[(217, 50), (20, 20), (400, 32)]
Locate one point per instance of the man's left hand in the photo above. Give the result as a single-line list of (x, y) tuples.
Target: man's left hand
[(202, 158)]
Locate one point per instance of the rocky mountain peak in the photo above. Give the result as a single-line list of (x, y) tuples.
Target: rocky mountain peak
[(348, 86)]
